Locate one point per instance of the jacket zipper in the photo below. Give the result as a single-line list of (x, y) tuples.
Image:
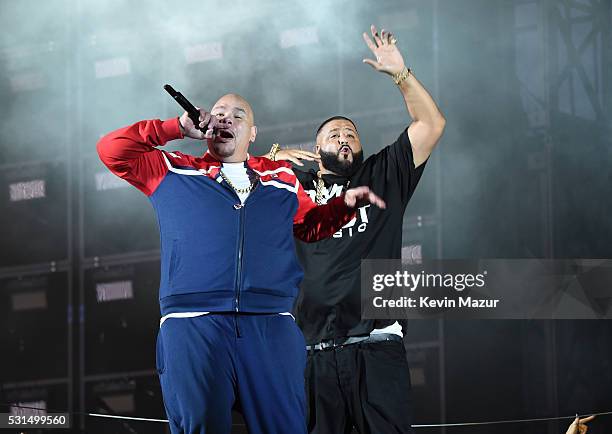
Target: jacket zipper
[(238, 284)]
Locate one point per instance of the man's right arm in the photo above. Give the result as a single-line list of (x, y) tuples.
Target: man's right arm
[(314, 222), (130, 152)]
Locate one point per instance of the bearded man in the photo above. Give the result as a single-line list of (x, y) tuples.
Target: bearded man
[(357, 374)]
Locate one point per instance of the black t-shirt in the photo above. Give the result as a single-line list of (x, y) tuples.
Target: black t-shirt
[(329, 304)]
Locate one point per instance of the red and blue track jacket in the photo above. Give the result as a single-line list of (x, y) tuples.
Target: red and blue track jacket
[(218, 255)]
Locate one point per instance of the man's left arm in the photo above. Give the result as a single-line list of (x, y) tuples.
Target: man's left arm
[(427, 121)]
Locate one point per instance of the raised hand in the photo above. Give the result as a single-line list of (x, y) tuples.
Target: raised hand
[(360, 196), (206, 120), (388, 58), (578, 425)]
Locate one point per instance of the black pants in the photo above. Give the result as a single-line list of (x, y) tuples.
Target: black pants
[(366, 386)]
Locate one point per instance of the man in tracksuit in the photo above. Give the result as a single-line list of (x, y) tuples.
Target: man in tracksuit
[(229, 274)]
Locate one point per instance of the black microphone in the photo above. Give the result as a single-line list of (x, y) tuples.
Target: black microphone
[(192, 112)]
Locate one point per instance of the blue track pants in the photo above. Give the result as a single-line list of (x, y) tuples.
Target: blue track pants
[(210, 364)]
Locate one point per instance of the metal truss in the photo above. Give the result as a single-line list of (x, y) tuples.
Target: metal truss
[(579, 33)]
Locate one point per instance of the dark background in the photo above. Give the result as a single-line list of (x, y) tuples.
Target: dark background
[(523, 171)]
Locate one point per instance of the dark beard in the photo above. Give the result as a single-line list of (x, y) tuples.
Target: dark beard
[(332, 162)]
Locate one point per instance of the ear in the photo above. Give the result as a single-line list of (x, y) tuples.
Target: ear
[(317, 149), (253, 134)]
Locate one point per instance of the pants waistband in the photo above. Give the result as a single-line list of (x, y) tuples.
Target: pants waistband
[(340, 342), (195, 314)]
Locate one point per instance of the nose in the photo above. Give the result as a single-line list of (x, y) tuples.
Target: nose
[(226, 120)]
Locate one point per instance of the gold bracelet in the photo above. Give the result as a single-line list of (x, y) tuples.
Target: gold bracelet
[(273, 150), (402, 75)]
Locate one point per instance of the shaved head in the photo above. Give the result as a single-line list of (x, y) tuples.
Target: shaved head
[(237, 101), (234, 128)]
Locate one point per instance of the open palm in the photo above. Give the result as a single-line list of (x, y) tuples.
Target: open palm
[(388, 58)]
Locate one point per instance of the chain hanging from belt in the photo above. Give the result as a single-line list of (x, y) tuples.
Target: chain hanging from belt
[(321, 185)]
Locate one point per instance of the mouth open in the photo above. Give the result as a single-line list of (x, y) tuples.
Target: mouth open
[(345, 150), (224, 134)]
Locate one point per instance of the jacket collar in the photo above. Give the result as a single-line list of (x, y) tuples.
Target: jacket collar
[(252, 161), (211, 166)]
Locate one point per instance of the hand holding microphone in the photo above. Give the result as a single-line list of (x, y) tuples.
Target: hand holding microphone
[(204, 128), (195, 122)]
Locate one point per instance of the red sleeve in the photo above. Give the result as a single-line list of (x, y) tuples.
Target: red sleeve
[(314, 222), (130, 152)]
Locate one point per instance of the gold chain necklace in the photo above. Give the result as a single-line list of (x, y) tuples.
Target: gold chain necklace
[(320, 186), (244, 190)]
